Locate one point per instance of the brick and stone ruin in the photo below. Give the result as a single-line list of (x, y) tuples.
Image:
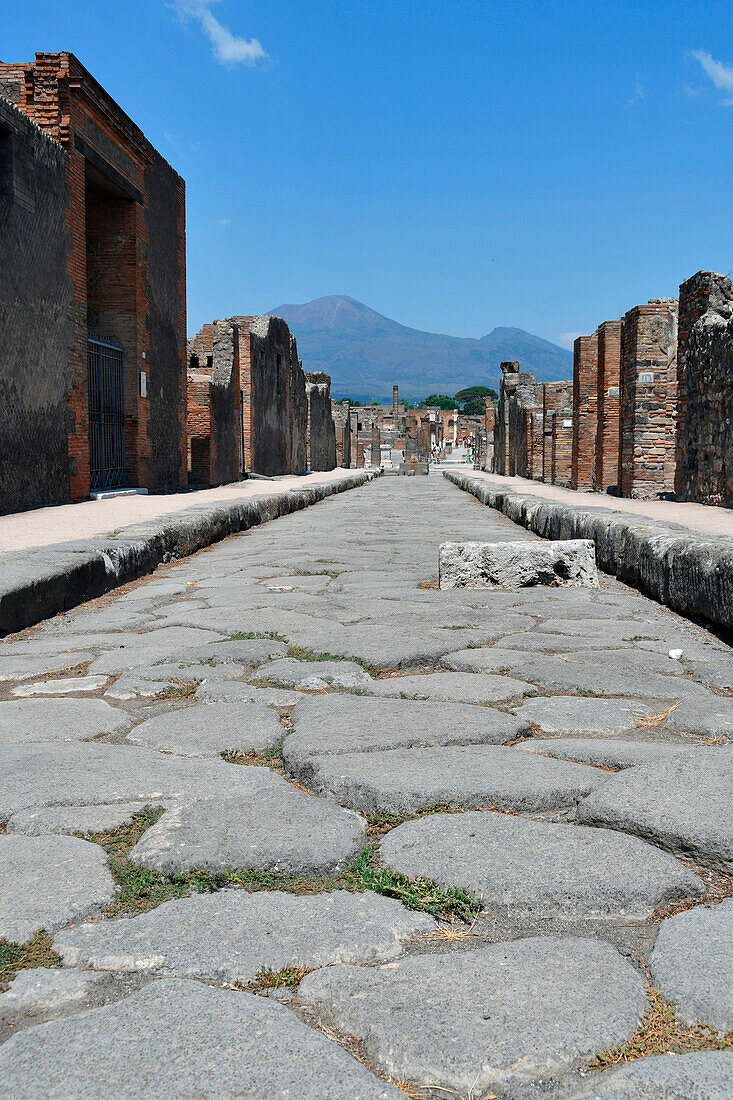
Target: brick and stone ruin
[(649, 412)]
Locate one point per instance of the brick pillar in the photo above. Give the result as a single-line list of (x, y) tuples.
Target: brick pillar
[(555, 396), (609, 400), (395, 405), (562, 447), (648, 412), (585, 400)]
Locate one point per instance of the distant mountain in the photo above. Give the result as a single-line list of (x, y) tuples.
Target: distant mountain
[(365, 353)]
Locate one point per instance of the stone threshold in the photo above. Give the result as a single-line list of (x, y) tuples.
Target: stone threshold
[(38, 583), (686, 571)]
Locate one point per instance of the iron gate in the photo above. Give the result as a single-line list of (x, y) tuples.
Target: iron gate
[(106, 414)]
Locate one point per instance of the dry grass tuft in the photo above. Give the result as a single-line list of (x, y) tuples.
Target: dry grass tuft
[(289, 977), (719, 887), (650, 721), (178, 689)]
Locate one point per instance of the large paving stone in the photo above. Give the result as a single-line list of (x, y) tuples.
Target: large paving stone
[(178, 1038), (283, 830), (597, 717), (30, 720), (488, 1019), (239, 651), (27, 668), (40, 775), (569, 563), (74, 819), (538, 867), (236, 692), (324, 725), (457, 687), (230, 935), (209, 729), (682, 805), (313, 675), (692, 964), (69, 685), (44, 989), (407, 780), (605, 753), (47, 882), (667, 1077)]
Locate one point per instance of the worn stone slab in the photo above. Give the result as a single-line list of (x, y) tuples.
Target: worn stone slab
[(74, 819), (682, 805), (283, 829), (187, 1039), (489, 1019), (72, 685), (236, 692), (31, 720), (40, 775), (538, 867), (458, 687), (313, 675), (667, 1077), (692, 964), (239, 651), (230, 935), (335, 724), (605, 753), (566, 715), (21, 667), (44, 989), (515, 565), (407, 780), (47, 882), (208, 729)]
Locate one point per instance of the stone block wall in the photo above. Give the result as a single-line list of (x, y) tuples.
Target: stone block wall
[(704, 444), (605, 474), (508, 384), (585, 411), (340, 411), (526, 396), (562, 448), (648, 399), (214, 405), (555, 396), (321, 431)]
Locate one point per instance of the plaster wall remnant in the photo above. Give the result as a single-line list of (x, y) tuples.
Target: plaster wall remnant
[(585, 411), (321, 432), (704, 444)]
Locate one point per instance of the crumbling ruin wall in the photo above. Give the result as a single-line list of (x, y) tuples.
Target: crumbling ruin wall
[(556, 396), (36, 316), (321, 431), (562, 447), (605, 473), (340, 411), (705, 390), (526, 396), (585, 411), (214, 410), (508, 384)]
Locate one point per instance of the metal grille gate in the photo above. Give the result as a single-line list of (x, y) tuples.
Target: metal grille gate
[(106, 414)]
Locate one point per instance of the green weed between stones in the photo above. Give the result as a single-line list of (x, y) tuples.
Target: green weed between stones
[(299, 653), (289, 977), (272, 758), (244, 636), (25, 956), (140, 889)]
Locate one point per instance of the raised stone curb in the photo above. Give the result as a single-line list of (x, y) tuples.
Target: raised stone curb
[(690, 573), (39, 583)]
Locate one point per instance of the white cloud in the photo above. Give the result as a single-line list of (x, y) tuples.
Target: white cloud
[(223, 221), (228, 48), (567, 339), (720, 73)]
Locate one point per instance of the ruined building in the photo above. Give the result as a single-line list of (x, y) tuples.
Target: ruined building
[(215, 406), (321, 431), (341, 413), (92, 238)]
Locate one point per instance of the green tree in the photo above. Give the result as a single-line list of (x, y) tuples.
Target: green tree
[(438, 401)]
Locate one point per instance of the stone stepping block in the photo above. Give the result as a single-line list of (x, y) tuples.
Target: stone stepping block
[(458, 687), (40, 775), (230, 935), (72, 685), (596, 717), (26, 668), (33, 720), (605, 754), (209, 729), (283, 829), (44, 990), (564, 563), (403, 781), (682, 805), (692, 964), (336, 724), (705, 1076), (483, 1020), (73, 819), (178, 1038), (47, 882), (538, 867), (313, 675)]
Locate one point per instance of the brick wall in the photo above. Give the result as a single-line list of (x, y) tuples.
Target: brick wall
[(605, 474), (214, 409), (585, 402), (555, 396), (562, 447), (526, 396), (648, 399), (704, 448)]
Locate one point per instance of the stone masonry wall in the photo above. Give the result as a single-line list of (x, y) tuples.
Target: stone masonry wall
[(585, 414), (214, 420), (605, 474), (340, 412), (555, 396), (321, 432)]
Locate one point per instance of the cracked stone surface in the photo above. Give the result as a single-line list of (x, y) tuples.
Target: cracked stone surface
[(458, 687), (605, 754), (31, 720), (43, 989), (230, 935), (281, 829), (667, 1077), (538, 866), (595, 717), (313, 675), (74, 819), (209, 730), (692, 964), (47, 882), (220, 1042), (505, 1014)]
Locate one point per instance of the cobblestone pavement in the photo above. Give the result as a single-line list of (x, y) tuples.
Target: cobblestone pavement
[(285, 820)]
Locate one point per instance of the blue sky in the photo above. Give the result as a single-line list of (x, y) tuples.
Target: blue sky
[(455, 165)]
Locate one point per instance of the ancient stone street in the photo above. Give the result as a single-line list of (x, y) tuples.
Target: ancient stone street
[(285, 819)]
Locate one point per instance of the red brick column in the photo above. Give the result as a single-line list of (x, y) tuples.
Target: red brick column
[(609, 400), (585, 401)]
